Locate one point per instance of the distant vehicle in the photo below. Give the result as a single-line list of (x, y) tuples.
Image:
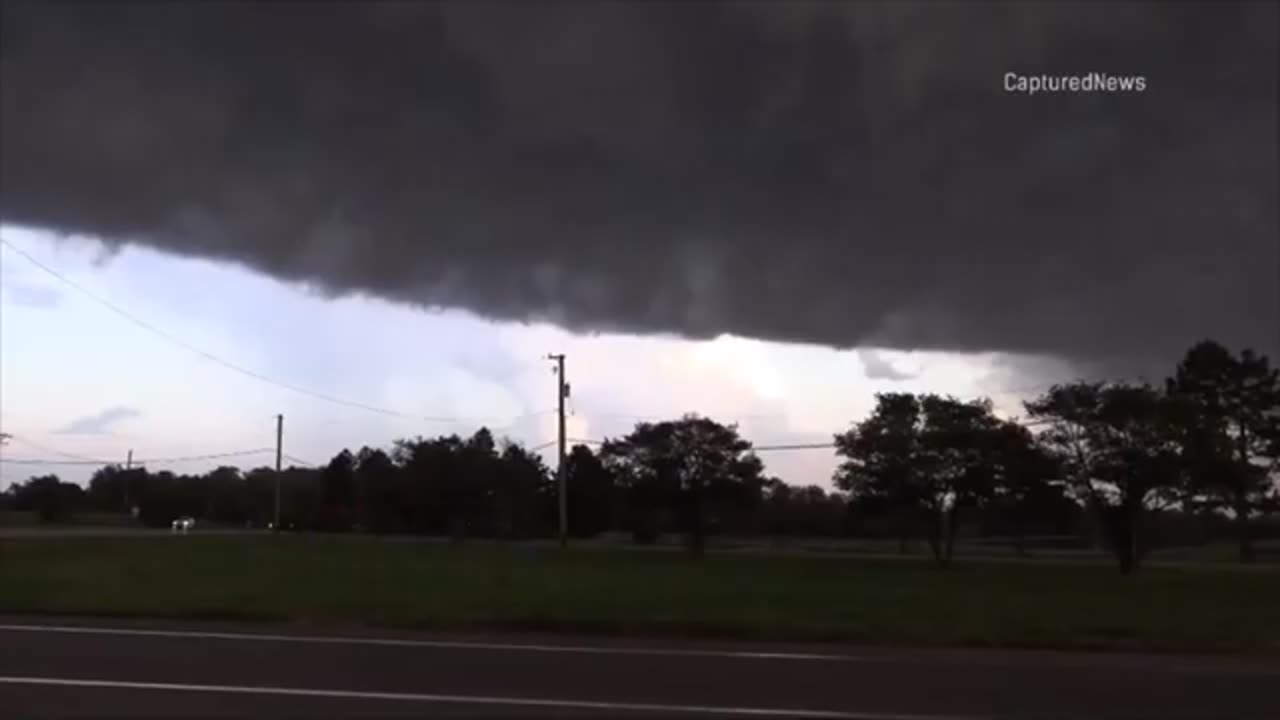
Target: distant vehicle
[(184, 524)]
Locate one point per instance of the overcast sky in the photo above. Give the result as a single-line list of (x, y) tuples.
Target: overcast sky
[(708, 206)]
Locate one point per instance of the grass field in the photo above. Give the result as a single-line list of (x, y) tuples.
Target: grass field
[(362, 580), (15, 519)]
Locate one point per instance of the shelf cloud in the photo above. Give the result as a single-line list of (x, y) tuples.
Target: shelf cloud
[(846, 174)]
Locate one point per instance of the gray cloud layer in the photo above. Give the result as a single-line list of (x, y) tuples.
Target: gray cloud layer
[(845, 174), (99, 423)]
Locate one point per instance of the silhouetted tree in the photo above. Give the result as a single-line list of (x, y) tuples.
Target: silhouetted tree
[(1230, 432), (113, 488), (338, 492), (807, 511), (376, 487), (591, 493), (430, 490), (1027, 483), (225, 499), (301, 498), (519, 495), (259, 488), (462, 487), (1119, 449), (882, 460), (51, 499), (960, 460), (687, 465)]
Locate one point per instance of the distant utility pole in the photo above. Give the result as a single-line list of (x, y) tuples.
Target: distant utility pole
[(275, 526), (128, 465), (561, 394)]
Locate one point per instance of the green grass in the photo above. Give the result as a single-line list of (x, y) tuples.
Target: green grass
[(361, 580), (16, 519), (13, 518)]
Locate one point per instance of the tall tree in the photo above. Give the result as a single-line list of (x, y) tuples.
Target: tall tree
[(338, 491), (688, 465), (1231, 432), (50, 498), (925, 456), (1118, 445), (1027, 479), (522, 482), (959, 465), (224, 497), (591, 493), (473, 485), (378, 499), (111, 486), (433, 493), (881, 459)]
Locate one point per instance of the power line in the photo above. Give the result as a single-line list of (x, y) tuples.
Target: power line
[(792, 446), (795, 446), (645, 418), (44, 448), (136, 462), (299, 461), (224, 363), (213, 456), (42, 461)]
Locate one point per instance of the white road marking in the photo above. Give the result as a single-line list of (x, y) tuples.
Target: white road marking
[(470, 699), (445, 644)]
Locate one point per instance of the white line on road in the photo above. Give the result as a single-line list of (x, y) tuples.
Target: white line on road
[(470, 699), (444, 644)]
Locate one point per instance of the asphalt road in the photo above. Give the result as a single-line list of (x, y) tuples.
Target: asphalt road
[(82, 668)]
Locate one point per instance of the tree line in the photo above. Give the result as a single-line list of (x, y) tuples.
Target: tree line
[(1112, 460)]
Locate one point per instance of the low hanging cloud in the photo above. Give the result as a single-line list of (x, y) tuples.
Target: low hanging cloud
[(848, 174), (99, 423), (878, 367)]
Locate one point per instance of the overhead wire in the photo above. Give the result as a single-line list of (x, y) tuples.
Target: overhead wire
[(137, 461), (220, 361), (298, 461), (46, 449)]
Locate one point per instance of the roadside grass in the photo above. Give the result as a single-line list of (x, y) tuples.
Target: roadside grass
[(23, 519), (359, 580)]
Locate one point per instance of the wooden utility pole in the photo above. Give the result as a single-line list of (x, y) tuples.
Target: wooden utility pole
[(128, 465), (275, 526), (561, 394)]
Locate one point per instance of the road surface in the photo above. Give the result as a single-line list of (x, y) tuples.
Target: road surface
[(83, 668)]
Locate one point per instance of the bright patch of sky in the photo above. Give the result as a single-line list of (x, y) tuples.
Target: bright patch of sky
[(80, 379)]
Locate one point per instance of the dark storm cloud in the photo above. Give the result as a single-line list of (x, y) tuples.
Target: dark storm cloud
[(849, 173)]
